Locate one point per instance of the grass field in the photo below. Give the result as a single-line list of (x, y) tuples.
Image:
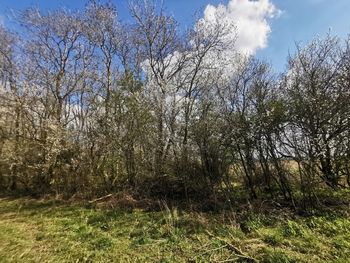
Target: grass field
[(52, 231)]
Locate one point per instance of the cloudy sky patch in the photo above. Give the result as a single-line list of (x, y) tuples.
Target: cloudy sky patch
[(251, 19)]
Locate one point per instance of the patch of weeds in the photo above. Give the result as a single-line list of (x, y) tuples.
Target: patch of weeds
[(145, 232), (330, 225), (83, 232), (276, 256), (341, 247), (172, 226), (116, 214), (99, 220), (66, 223), (293, 229), (190, 225), (229, 231), (168, 227), (140, 239), (314, 222), (39, 236), (341, 244), (65, 233), (102, 243), (312, 241), (254, 222), (273, 239), (167, 260)]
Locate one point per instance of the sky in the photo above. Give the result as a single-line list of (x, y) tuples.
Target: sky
[(268, 29)]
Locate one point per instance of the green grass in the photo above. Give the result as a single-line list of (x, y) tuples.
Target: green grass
[(49, 231)]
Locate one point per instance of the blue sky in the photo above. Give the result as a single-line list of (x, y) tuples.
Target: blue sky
[(299, 20)]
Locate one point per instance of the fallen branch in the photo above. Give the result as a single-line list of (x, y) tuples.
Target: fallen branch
[(100, 199)]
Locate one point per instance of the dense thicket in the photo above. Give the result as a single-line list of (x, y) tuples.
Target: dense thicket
[(92, 105)]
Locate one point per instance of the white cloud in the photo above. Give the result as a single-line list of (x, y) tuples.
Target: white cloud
[(250, 18)]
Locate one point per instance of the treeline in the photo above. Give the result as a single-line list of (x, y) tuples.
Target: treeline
[(93, 105)]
